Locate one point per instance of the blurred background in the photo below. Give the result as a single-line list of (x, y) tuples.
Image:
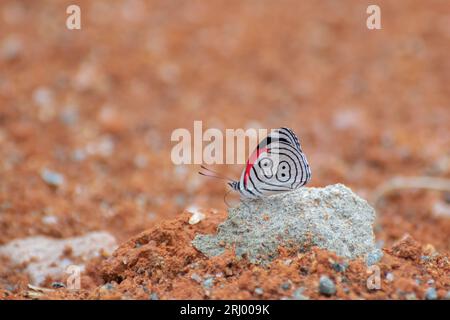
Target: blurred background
[(86, 115)]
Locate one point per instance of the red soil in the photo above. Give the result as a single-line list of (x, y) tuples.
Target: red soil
[(367, 105)]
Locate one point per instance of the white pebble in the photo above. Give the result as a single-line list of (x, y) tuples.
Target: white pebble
[(196, 217), (389, 277), (50, 220), (52, 178)]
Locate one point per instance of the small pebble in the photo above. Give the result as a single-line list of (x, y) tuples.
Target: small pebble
[(327, 286), (298, 294), (431, 294), (194, 265), (43, 96), (339, 267), (58, 285), (195, 212), (52, 178), (287, 262), (411, 296), (196, 217), (208, 283), (154, 296), (390, 277), (49, 220), (285, 286), (196, 278), (108, 286), (259, 291)]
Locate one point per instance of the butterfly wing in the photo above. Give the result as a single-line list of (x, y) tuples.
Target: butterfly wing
[(277, 165)]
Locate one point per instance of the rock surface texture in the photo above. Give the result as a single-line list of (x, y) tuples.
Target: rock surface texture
[(332, 218)]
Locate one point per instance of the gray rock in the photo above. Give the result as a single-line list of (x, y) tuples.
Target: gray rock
[(332, 218), (44, 256), (327, 286), (431, 294)]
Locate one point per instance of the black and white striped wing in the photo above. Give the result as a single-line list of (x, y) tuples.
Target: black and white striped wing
[(277, 165)]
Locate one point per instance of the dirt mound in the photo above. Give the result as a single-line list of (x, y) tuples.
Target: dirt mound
[(162, 264)]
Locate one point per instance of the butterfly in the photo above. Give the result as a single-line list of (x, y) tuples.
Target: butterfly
[(277, 165)]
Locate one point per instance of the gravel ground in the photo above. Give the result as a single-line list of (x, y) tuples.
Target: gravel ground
[(86, 118)]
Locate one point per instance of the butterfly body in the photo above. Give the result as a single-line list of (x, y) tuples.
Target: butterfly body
[(277, 165)]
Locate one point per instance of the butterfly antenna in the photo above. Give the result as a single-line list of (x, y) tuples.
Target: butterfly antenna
[(213, 174)]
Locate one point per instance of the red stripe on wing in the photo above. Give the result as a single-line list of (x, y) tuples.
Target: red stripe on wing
[(251, 161)]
